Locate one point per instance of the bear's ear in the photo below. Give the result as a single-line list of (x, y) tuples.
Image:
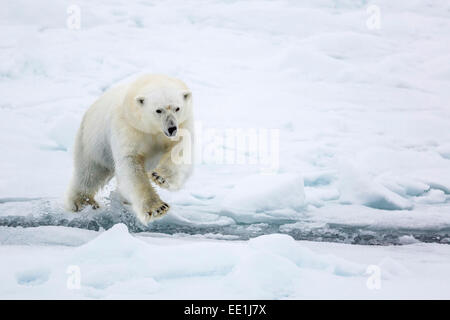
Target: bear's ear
[(140, 100), (186, 95)]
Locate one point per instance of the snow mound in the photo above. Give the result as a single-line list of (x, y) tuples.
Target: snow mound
[(391, 268), (285, 246), (264, 275), (356, 186), (117, 264), (115, 241), (114, 256), (261, 194)]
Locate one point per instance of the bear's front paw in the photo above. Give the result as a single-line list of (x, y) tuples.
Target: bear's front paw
[(79, 203), (159, 180), (152, 210)]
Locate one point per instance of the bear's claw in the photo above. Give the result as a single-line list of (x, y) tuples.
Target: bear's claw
[(93, 204), (158, 210), (80, 203), (160, 181)]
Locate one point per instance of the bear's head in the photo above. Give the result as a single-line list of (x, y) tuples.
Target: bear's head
[(160, 107)]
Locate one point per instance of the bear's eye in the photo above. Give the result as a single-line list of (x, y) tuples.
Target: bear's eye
[(158, 111), (177, 109)]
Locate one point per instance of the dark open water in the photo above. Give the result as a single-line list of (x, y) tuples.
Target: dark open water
[(44, 212)]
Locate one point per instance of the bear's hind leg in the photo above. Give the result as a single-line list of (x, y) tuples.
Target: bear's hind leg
[(86, 181)]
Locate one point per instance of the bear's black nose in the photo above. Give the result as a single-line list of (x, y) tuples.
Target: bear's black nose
[(172, 131)]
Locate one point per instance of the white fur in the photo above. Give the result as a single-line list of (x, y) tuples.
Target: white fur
[(121, 134)]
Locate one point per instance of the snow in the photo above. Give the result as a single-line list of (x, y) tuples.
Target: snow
[(262, 193), (116, 264), (363, 154)]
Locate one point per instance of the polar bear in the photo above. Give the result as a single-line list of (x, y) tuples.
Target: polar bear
[(141, 132)]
